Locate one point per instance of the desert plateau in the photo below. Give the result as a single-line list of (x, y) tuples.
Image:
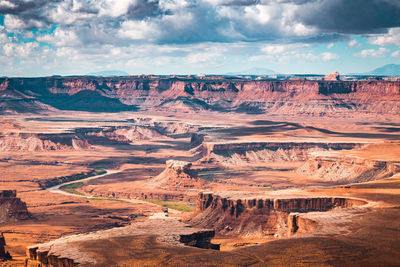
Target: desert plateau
[(198, 169), (191, 133)]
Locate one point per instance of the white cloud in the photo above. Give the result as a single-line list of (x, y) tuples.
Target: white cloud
[(115, 8), (327, 56), (274, 49), (329, 46), (21, 50), (392, 37), (12, 22), (60, 38), (3, 38), (395, 53), (6, 4), (353, 43), (139, 30), (380, 52)]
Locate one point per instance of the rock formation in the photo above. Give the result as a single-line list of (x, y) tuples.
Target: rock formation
[(70, 251), (177, 175), (334, 76), (42, 142), (289, 97), (243, 153), (12, 209), (348, 169), (260, 216), (127, 134)]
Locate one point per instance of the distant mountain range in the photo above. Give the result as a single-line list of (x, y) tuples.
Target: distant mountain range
[(253, 71), (387, 70), (109, 73)]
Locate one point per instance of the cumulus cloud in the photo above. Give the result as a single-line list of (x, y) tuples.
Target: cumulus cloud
[(353, 43), (380, 52), (107, 29), (392, 37), (395, 53), (60, 38), (327, 56)]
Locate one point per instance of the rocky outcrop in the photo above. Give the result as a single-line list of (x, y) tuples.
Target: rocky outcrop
[(348, 169), (287, 97), (126, 134), (243, 153), (41, 142), (334, 76), (71, 251), (176, 176), (260, 216), (12, 208)]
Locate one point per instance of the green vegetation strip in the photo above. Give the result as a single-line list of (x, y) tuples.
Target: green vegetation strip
[(74, 177), (72, 188), (176, 205)]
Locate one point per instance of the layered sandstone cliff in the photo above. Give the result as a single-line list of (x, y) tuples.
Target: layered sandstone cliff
[(41, 142), (12, 208), (244, 153), (348, 169), (259, 215), (221, 94)]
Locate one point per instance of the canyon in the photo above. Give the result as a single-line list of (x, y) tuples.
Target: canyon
[(220, 171), (189, 94)]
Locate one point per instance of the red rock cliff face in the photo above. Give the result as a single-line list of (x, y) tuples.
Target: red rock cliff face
[(259, 216), (225, 93)]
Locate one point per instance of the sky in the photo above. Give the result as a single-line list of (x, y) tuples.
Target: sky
[(76, 37)]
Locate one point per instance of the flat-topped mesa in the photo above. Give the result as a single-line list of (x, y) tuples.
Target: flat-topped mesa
[(348, 169), (268, 151), (12, 209), (177, 175), (260, 216)]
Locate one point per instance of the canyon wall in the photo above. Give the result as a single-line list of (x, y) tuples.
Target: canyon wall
[(348, 169), (243, 153), (220, 94), (41, 142), (261, 216)]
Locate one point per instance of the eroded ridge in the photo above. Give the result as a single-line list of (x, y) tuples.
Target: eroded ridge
[(235, 153), (260, 216)]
